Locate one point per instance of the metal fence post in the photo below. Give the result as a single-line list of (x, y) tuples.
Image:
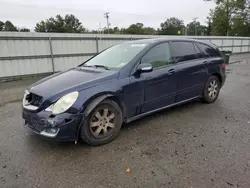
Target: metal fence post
[(97, 45), (248, 45), (222, 44), (233, 46), (241, 45), (52, 55)]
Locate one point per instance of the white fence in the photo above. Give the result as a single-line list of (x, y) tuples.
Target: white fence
[(37, 53)]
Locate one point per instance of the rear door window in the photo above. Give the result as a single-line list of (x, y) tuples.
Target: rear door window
[(208, 51), (183, 51), (200, 53)]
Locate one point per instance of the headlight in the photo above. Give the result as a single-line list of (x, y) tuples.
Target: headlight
[(64, 103)]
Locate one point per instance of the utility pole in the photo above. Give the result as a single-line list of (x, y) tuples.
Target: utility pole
[(106, 15)]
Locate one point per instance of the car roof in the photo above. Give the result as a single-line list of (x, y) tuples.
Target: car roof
[(159, 40)]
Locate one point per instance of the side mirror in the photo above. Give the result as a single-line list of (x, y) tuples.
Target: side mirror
[(144, 67)]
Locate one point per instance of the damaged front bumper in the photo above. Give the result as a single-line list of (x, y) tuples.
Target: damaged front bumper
[(62, 127)]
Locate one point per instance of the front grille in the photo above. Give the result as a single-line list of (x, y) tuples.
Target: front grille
[(34, 99)]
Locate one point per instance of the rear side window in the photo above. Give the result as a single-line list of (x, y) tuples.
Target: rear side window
[(208, 51), (183, 51), (200, 53)]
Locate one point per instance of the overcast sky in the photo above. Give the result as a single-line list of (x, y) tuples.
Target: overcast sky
[(26, 13)]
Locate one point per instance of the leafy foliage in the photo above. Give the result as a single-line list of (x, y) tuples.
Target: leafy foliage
[(219, 21), (139, 29), (8, 26), (230, 17), (1, 26), (135, 29), (195, 28), (172, 26), (68, 24), (24, 30)]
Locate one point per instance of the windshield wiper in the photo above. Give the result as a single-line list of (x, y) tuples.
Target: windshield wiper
[(97, 66), (102, 66)]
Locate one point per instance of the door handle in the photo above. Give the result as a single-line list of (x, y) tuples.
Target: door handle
[(171, 71)]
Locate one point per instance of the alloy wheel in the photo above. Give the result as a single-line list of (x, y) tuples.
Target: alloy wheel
[(102, 122), (213, 89)]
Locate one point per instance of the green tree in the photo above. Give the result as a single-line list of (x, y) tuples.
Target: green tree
[(195, 28), (247, 11), (41, 27), (219, 22), (171, 26), (94, 32), (135, 29), (228, 8), (149, 31), (123, 31), (138, 29), (73, 25), (116, 30), (68, 24), (240, 23), (24, 30), (240, 27), (1, 26), (8, 26)]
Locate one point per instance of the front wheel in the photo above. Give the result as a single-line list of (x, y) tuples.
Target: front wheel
[(211, 90), (103, 124)]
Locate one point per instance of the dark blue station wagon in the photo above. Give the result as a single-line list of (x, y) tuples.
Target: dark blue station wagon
[(123, 83)]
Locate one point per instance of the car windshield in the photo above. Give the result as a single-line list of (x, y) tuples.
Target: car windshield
[(116, 56)]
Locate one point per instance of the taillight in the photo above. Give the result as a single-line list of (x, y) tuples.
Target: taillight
[(224, 65)]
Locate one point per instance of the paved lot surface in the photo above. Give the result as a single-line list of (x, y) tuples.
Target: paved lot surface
[(196, 145), (13, 91)]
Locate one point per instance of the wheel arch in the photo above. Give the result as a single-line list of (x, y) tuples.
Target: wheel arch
[(218, 76), (91, 103)]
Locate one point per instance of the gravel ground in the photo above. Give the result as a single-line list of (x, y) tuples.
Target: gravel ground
[(194, 145)]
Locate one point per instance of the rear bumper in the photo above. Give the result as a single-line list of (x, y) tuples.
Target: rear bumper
[(63, 127)]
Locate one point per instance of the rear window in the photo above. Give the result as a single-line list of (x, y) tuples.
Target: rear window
[(208, 51), (183, 51)]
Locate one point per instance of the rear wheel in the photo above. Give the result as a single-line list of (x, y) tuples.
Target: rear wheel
[(211, 90), (103, 124)]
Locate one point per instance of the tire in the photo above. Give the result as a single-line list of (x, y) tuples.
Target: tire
[(100, 127), (213, 85)]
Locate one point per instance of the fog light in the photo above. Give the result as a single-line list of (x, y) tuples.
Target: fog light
[(51, 132)]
